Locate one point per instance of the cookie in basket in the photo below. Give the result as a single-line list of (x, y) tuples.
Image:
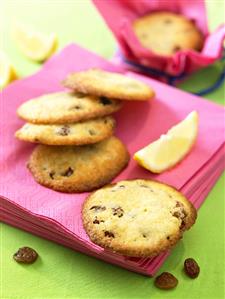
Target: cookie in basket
[(78, 168), (88, 132), (166, 33), (65, 107), (139, 218), (107, 84)]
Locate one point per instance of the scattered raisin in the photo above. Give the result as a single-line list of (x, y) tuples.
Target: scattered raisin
[(104, 101), (109, 234), (166, 281), (25, 255), (118, 212), (68, 172), (98, 208), (191, 268), (63, 131), (51, 174), (36, 140)]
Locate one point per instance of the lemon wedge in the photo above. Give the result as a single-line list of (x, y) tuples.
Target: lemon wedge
[(7, 71), (34, 45), (171, 148)]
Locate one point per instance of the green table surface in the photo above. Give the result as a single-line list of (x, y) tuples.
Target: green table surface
[(63, 273)]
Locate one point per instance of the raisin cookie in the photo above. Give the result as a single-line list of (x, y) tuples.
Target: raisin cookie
[(78, 168), (88, 132), (108, 84), (165, 33), (65, 107), (139, 218)]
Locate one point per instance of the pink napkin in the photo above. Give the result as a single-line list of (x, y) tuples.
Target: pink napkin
[(57, 216), (122, 14)]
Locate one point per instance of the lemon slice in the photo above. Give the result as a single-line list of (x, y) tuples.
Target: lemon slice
[(7, 71), (34, 45), (171, 148)]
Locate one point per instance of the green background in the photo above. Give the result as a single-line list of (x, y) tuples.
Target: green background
[(62, 273)]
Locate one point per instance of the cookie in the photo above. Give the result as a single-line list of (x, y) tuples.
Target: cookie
[(78, 168), (108, 84), (65, 107), (166, 33), (88, 132), (139, 218)]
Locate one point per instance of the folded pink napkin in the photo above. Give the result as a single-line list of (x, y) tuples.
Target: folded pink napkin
[(57, 216)]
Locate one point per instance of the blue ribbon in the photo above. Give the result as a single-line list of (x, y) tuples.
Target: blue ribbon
[(171, 80)]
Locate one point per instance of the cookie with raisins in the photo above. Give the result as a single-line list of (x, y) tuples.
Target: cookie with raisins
[(87, 132), (109, 84), (139, 218), (66, 107), (78, 168)]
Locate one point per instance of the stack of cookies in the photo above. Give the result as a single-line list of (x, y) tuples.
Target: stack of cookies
[(77, 151)]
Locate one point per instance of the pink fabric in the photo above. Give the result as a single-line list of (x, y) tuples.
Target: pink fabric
[(120, 14), (57, 216)]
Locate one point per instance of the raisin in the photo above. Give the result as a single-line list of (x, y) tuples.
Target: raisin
[(109, 234), (96, 221), (104, 101), (98, 208), (51, 174), (80, 95), (25, 255), (118, 212), (168, 21), (68, 172), (166, 281), (176, 49), (91, 132), (77, 107), (36, 140), (64, 131), (180, 213), (191, 268)]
